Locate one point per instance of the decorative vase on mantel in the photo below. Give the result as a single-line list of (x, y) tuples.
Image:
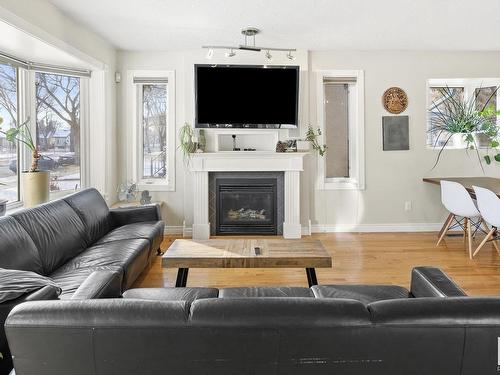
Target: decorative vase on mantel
[(35, 187)]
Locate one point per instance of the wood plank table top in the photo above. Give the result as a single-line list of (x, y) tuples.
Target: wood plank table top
[(246, 253), (490, 183)]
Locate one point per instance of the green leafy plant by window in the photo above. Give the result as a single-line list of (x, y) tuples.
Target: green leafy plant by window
[(22, 133), (456, 116)]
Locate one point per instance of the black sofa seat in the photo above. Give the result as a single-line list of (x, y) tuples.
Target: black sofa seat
[(363, 293), (149, 230)]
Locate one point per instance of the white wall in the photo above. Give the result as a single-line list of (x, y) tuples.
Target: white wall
[(391, 177), (44, 21)]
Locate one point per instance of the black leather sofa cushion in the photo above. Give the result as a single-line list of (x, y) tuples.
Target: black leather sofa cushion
[(265, 292), (93, 211), (57, 231), (151, 231), (70, 279), (432, 282), (17, 249), (432, 311), (129, 215), (364, 293), (171, 294), (16, 283), (100, 284), (278, 312)]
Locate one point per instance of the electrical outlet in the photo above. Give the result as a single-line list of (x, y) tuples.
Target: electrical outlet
[(408, 206)]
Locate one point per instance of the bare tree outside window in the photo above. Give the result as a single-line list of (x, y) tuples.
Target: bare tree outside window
[(58, 128), (154, 130), (8, 151)]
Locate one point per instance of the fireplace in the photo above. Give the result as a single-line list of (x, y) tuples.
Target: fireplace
[(246, 203)]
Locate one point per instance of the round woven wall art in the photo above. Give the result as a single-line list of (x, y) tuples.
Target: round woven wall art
[(395, 100)]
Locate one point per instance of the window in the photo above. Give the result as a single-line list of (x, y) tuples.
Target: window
[(58, 129), (154, 131), (481, 91), (151, 161), (341, 120), (9, 178)]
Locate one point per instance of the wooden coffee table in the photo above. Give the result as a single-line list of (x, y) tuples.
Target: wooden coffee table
[(246, 253)]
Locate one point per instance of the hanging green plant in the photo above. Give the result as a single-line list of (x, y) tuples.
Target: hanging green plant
[(312, 137), (186, 143)]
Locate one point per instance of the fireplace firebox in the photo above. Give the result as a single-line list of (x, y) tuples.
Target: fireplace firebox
[(246, 206)]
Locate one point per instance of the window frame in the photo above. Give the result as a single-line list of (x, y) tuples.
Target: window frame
[(84, 128), (135, 131), (469, 85), (356, 179)]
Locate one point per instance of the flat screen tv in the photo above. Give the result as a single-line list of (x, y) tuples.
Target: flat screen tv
[(246, 96)]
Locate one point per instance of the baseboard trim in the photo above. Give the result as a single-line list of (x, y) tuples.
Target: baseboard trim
[(395, 227), (307, 230)]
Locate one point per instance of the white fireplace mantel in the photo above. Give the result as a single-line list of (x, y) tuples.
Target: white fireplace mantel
[(247, 161)]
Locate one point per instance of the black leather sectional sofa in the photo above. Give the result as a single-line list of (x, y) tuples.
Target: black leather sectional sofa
[(88, 250), (431, 329)]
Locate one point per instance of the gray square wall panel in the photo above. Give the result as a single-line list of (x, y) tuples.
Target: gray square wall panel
[(396, 133)]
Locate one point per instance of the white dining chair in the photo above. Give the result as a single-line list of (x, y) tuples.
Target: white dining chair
[(489, 207), (463, 211)]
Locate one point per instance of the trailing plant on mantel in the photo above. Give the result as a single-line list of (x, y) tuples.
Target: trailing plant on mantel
[(186, 142), (467, 119), (312, 137)]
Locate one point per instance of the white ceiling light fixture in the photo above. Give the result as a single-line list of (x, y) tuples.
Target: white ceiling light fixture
[(250, 32)]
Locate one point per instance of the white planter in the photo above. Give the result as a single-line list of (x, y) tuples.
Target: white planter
[(35, 188), (457, 140)]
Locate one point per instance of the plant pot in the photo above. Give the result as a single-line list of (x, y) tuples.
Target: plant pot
[(457, 140), (482, 140), (3, 207), (35, 188)]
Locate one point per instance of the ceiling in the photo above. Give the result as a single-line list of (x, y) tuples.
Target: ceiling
[(25, 46), (304, 24)]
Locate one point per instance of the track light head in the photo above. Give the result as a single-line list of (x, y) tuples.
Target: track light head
[(210, 53), (290, 56), (268, 55), (230, 53)]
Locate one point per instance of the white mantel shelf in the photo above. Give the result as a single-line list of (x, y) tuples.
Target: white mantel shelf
[(291, 163)]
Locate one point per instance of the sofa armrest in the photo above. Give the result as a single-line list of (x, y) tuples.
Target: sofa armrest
[(129, 215), (100, 284), (432, 282)]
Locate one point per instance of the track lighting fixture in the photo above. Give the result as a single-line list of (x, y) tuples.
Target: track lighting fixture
[(249, 32)]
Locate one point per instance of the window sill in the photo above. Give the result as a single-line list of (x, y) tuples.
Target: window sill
[(155, 187), (340, 185)]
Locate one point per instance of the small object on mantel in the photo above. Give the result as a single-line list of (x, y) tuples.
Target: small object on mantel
[(145, 197), (280, 146)]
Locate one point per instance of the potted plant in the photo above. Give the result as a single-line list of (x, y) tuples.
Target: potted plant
[(34, 181), (186, 142), (464, 122)]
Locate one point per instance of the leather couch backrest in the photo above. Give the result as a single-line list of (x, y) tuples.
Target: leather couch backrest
[(265, 336), (278, 312), (94, 212), (57, 231), (17, 250)]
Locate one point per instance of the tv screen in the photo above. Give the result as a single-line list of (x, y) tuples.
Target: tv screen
[(246, 96)]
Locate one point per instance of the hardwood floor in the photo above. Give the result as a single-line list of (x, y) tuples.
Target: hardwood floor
[(358, 258)]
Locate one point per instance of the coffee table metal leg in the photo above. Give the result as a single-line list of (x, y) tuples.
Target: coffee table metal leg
[(182, 275), (311, 276)]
